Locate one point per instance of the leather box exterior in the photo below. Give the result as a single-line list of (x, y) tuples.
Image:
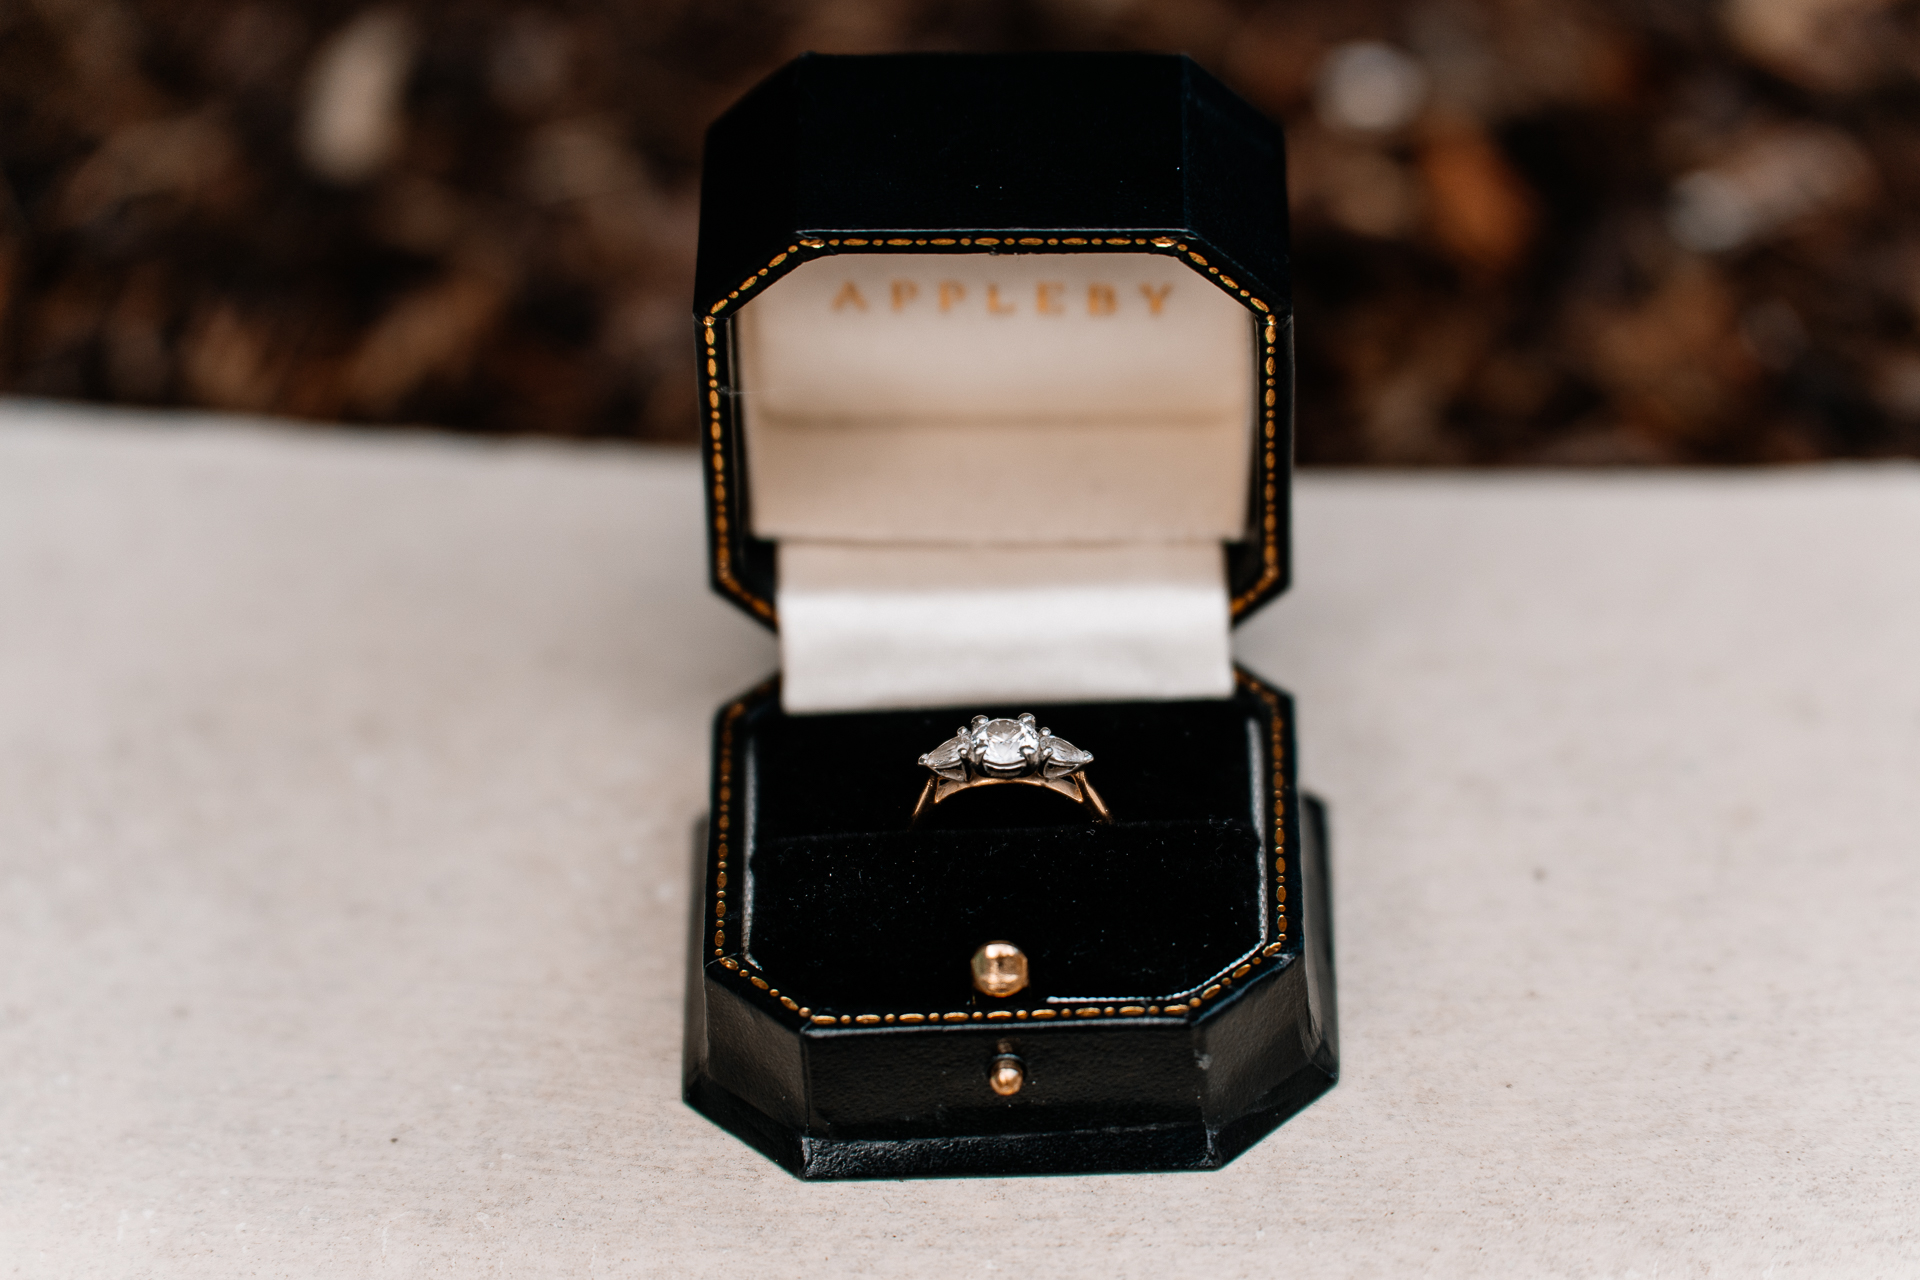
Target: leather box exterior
[(1182, 995)]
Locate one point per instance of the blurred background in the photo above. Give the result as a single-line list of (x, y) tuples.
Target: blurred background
[(1526, 231)]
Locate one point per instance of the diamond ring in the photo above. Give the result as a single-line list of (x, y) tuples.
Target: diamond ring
[(989, 752)]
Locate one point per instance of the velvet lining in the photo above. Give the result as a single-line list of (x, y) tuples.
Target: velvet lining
[(859, 913)]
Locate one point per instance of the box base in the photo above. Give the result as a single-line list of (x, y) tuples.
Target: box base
[(1283, 1029), (1165, 1148)]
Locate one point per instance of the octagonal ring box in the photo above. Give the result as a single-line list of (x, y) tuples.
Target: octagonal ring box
[(996, 374)]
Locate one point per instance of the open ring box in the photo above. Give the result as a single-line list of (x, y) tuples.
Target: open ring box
[(996, 368)]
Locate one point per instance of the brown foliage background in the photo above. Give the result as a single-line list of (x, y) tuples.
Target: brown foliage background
[(1526, 230)]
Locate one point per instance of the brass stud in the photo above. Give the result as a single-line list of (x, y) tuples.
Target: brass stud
[(1007, 1074), (999, 969)]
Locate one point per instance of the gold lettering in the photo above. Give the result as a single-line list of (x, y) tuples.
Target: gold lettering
[(1100, 300), (904, 291), (1047, 298), (849, 295), (951, 291), (1156, 298), (993, 302)]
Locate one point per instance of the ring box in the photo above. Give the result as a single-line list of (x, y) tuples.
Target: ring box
[(996, 367)]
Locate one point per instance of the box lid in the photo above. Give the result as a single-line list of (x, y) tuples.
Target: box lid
[(916, 177)]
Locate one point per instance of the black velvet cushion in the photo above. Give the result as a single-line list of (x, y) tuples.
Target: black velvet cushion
[(858, 913)]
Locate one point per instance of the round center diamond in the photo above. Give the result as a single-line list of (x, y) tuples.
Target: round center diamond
[(1002, 743)]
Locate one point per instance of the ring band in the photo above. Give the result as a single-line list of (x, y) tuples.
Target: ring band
[(991, 752)]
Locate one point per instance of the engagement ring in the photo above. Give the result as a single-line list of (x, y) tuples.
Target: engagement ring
[(990, 752)]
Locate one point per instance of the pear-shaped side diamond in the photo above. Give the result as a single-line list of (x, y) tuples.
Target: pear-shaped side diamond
[(1063, 757), (949, 759)]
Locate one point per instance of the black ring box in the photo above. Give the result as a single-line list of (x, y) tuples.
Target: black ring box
[(1183, 999)]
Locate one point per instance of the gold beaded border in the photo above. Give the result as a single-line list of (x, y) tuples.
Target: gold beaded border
[(723, 810), (809, 247), (1269, 520), (1276, 752), (1190, 1003)]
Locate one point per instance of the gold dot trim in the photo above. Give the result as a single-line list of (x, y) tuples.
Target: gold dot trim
[(1269, 522), (1276, 753)]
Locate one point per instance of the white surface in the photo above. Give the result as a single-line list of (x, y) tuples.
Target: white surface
[(345, 788), (915, 422), (901, 626)]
